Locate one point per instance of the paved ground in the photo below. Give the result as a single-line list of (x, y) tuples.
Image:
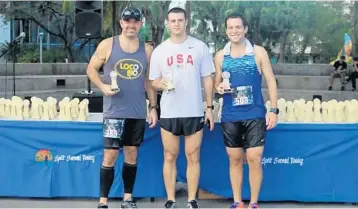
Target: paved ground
[(146, 203)]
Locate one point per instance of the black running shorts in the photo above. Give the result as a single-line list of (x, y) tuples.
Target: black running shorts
[(182, 126), (244, 134), (122, 132)]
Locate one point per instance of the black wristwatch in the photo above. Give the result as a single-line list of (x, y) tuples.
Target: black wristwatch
[(275, 110), (210, 107), (152, 107)]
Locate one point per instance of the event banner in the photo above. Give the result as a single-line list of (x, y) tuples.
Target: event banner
[(301, 162), (63, 159)]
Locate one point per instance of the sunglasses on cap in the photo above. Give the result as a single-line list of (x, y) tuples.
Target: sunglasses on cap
[(130, 13)]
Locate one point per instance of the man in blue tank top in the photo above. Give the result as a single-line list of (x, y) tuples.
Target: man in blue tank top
[(239, 69), (125, 61)]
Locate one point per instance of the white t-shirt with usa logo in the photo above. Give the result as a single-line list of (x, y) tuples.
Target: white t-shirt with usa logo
[(184, 64)]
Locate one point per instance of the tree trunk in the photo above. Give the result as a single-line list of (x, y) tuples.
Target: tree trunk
[(283, 43), (256, 26), (301, 54), (114, 18), (188, 12), (355, 29)]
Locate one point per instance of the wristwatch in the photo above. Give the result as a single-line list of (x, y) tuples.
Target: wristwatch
[(152, 106), (275, 110), (210, 107)]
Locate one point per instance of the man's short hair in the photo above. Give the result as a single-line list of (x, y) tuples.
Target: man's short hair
[(177, 10), (355, 58), (343, 57), (236, 15)]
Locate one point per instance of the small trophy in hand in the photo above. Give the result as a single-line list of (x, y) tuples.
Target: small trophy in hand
[(114, 84), (226, 82), (168, 79)]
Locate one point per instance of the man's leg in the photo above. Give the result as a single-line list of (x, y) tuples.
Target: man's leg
[(192, 152), (107, 172), (331, 79), (133, 135), (254, 141), (171, 151), (233, 143), (354, 76), (342, 78)]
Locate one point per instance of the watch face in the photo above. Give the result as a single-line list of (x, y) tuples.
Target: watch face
[(275, 110)]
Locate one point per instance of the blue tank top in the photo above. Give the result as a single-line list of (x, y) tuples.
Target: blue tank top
[(131, 69), (245, 102)]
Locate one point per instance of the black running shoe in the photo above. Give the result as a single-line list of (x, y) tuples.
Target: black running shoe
[(130, 203), (193, 204), (101, 205), (170, 204)]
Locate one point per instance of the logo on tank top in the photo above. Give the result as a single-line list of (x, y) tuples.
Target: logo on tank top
[(128, 68)]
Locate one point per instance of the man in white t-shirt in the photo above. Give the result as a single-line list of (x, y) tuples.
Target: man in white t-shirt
[(178, 66)]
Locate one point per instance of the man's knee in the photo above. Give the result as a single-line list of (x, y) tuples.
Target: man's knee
[(110, 157), (236, 157), (192, 154), (254, 156), (130, 154), (170, 156)]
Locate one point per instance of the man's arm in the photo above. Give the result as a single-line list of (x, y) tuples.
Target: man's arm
[(206, 70), (97, 60), (218, 71), (269, 76), (152, 93)]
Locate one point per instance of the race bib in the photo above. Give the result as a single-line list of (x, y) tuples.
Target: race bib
[(242, 95), (113, 128)]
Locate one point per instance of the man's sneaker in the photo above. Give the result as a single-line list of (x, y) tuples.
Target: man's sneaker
[(253, 205), (193, 204), (130, 203), (170, 204), (101, 205), (238, 205)]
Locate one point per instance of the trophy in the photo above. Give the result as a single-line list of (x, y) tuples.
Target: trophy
[(168, 78), (226, 82), (114, 85)]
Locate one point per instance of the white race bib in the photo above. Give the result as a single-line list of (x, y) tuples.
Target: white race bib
[(242, 95), (113, 128)]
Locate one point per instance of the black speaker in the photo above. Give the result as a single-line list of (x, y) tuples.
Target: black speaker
[(317, 97), (95, 101), (89, 19)]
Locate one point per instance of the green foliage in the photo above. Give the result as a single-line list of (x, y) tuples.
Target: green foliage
[(145, 34), (287, 27), (32, 55)]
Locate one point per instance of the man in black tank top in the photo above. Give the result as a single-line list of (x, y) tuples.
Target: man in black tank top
[(124, 111)]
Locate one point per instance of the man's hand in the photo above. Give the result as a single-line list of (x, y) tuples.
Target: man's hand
[(160, 84), (153, 118), (271, 120), (107, 90), (220, 88), (209, 118)]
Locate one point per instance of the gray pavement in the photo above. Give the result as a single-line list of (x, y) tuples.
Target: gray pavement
[(146, 203)]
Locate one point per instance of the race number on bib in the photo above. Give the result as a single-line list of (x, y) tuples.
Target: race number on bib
[(113, 128), (242, 95)]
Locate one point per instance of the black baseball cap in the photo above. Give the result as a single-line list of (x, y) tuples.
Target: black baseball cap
[(131, 13)]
